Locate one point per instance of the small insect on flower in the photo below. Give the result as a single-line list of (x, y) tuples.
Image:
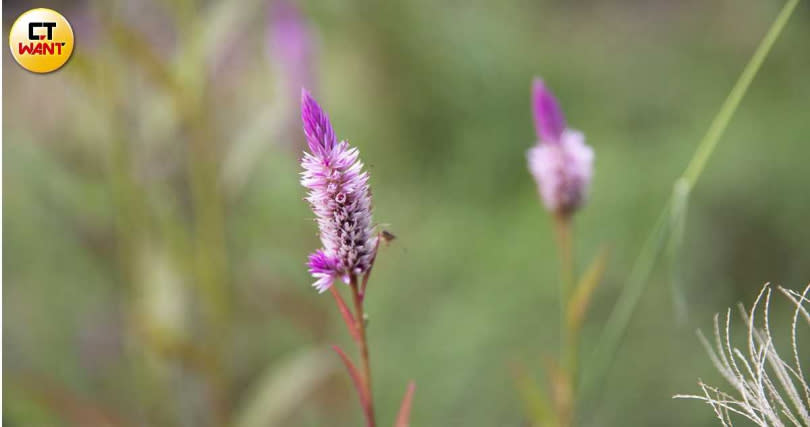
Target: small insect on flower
[(339, 195), (387, 236), (561, 163)]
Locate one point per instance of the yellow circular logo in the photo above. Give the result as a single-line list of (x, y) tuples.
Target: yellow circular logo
[(41, 40)]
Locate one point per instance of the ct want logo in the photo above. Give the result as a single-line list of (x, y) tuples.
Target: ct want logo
[(48, 25), (41, 40)]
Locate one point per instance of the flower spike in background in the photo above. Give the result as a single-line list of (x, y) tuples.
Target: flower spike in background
[(561, 163), (291, 44), (562, 166)]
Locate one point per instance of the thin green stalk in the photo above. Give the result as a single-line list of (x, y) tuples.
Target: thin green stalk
[(562, 229), (620, 317), (568, 342), (677, 223), (721, 121)]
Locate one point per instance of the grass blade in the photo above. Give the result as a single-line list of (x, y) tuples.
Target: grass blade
[(616, 326), (677, 223)]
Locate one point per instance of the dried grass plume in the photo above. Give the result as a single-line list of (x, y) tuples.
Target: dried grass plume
[(769, 389)]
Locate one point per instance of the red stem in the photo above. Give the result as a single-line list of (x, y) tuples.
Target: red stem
[(361, 329)]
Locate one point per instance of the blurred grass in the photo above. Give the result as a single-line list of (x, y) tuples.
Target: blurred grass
[(436, 98), (668, 231)]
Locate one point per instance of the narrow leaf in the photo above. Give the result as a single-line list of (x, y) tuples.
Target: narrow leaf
[(359, 383), (347, 314), (677, 221), (581, 297), (562, 392), (534, 398), (404, 417)]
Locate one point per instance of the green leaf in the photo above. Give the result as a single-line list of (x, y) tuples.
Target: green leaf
[(581, 297), (535, 400)]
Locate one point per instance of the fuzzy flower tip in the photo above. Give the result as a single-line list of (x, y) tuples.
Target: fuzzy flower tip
[(561, 163), (339, 195)]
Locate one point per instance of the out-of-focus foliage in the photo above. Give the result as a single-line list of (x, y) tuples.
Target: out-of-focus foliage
[(155, 233)]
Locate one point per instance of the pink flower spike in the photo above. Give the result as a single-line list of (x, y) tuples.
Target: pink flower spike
[(289, 40), (561, 162), (340, 197)]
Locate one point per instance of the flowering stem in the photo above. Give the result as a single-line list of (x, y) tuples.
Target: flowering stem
[(363, 344)]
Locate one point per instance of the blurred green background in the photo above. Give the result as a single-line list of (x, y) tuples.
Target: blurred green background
[(155, 232)]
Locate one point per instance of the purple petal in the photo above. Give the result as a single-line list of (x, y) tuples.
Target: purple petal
[(548, 116), (319, 262), (322, 268), (320, 135)]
